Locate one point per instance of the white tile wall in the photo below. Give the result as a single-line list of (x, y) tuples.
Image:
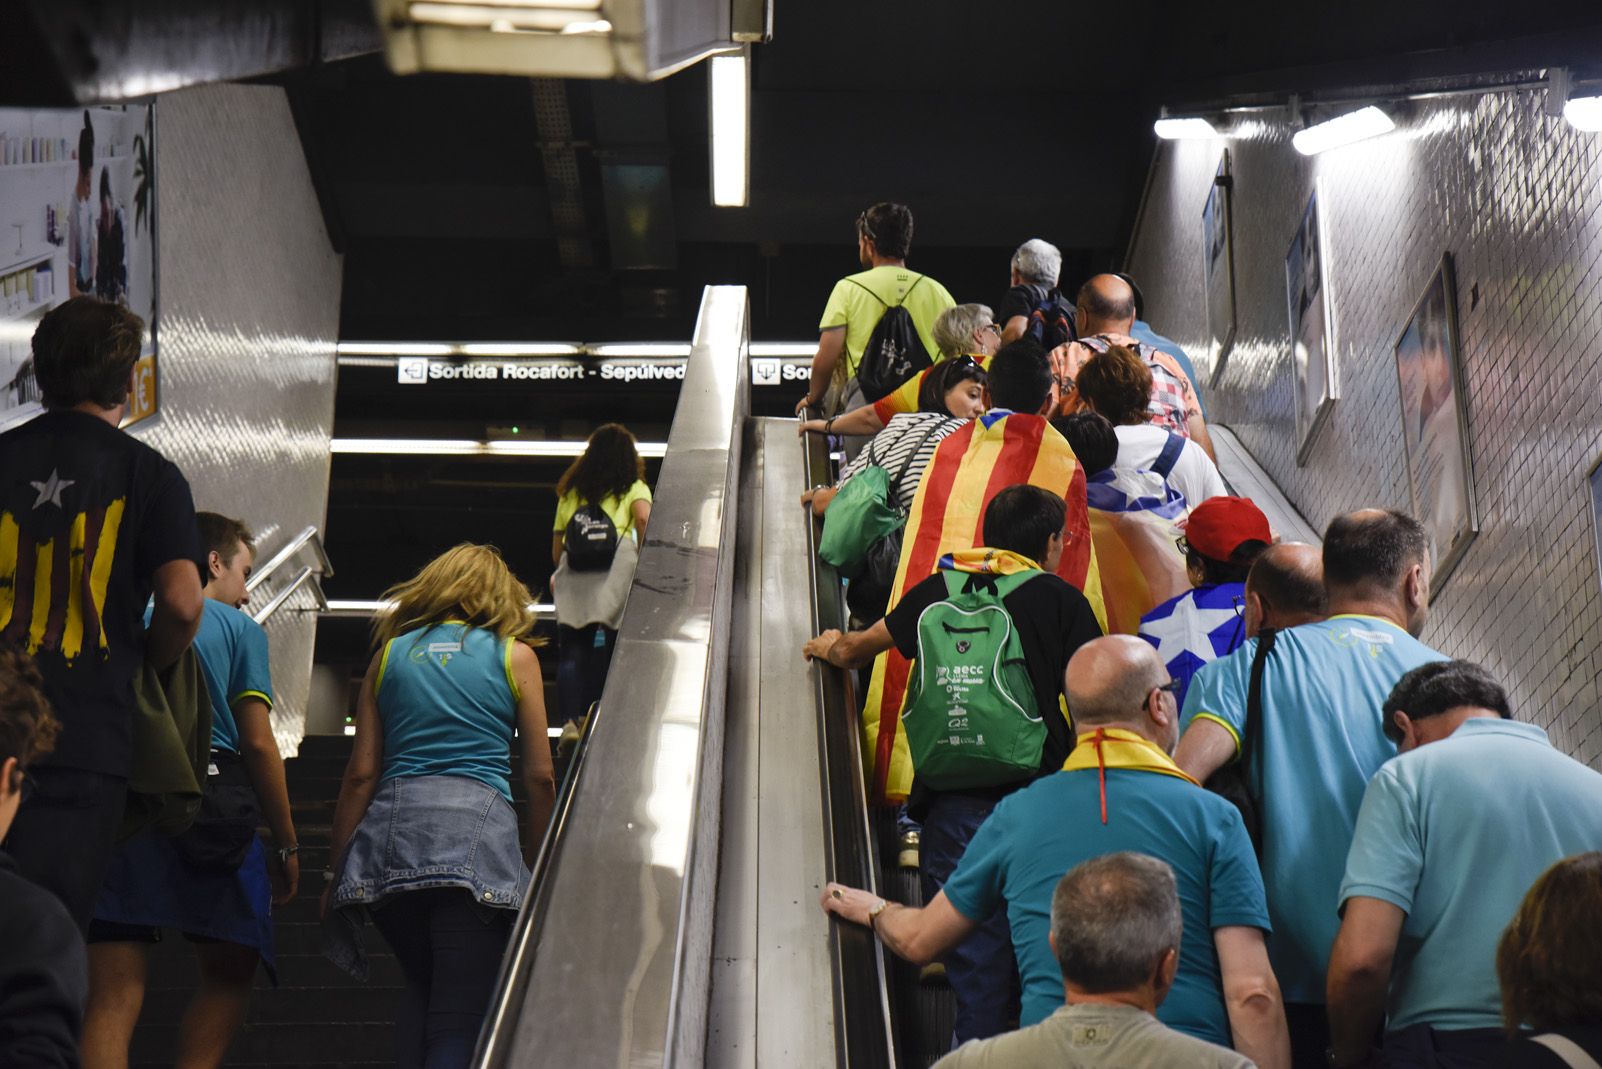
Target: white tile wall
[(1516, 197), (249, 313)]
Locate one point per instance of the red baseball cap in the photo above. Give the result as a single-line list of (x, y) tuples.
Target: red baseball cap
[(1219, 525)]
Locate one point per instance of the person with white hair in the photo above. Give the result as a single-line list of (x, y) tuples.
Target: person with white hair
[(1035, 268)]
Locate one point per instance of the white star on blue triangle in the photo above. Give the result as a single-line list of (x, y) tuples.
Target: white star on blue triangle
[(1196, 627)]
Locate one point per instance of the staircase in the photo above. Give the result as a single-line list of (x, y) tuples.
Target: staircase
[(319, 1017)]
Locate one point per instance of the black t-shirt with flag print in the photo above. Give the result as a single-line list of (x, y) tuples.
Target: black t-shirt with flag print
[(87, 515)]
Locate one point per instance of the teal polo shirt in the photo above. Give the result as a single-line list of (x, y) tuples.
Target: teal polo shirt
[(236, 664), (1034, 836), (1322, 741), (1454, 833)]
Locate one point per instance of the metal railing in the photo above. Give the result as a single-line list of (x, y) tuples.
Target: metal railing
[(309, 575)]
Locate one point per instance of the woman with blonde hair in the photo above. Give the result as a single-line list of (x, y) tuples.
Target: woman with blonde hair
[(602, 509), (424, 838)]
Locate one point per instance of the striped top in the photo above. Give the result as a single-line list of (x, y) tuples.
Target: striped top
[(914, 434)]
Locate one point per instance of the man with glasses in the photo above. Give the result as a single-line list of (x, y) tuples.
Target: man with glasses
[(1119, 790), (44, 980), (1320, 737), (884, 237)]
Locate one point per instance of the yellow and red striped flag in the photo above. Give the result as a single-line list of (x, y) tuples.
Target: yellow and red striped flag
[(968, 469)]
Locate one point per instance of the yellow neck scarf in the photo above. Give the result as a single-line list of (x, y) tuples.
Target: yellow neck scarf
[(1106, 748), (983, 561)]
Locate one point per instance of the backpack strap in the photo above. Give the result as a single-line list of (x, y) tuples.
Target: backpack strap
[(870, 292), (1252, 737), (910, 288), (907, 463), (1572, 1054), (1164, 464)]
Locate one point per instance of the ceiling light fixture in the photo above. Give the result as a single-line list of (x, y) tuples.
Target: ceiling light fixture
[(1584, 113), (519, 348), (729, 78), (1345, 129), (783, 348), (469, 447), (1183, 128), (392, 348), (640, 349)]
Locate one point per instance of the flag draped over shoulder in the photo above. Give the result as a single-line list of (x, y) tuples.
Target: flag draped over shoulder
[(969, 468), (1134, 525)]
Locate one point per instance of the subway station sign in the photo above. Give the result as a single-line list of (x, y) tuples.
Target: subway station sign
[(424, 370)]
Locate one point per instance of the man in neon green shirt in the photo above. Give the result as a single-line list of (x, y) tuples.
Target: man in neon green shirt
[(884, 236)]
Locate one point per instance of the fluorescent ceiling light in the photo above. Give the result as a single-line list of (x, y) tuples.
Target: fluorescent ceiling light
[(730, 94), (1584, 113), (1177, 129), (510, 16), (519, 348), (468, 447), (392, 348), (1342, 130), (359, 606), (784, 348), (641, 349)]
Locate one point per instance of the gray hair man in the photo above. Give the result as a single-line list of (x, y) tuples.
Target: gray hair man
[(1035, 268), (1118, 790), (1321, 737), (1115, 930)]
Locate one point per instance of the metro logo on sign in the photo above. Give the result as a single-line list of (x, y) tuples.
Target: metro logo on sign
[(765, 372)]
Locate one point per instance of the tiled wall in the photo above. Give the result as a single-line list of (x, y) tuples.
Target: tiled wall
[(249, 312), (1514, 195)]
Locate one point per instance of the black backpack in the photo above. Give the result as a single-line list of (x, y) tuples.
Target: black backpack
[(894, 352), (1051, 323), (591, 540)]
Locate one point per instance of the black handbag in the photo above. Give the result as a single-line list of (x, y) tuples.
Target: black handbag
[(1235, 782), (226, 824)]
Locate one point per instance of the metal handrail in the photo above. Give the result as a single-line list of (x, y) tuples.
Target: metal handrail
[(301, 579), (861, 971), (308, 535)]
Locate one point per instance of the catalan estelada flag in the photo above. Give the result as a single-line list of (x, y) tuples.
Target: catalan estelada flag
[(969, 468), (1134, 525)]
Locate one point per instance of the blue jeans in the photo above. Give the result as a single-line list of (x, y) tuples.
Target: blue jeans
[(981, 969), (584, 654)]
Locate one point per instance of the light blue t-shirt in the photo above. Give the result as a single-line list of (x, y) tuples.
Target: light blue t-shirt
[(1034, 836), (235, 663), (1322, 741), (1454, 833), (448, 703)]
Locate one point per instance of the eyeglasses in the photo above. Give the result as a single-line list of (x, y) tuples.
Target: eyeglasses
[(992, 328), (1184, 546), (1172, 687)]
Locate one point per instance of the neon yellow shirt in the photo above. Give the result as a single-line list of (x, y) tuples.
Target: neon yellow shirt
[(620, 510), (853, 307)]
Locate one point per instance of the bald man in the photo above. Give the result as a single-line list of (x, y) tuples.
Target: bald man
[(1285, 588), (1118, 790), (1322, 735), (1103, 316)]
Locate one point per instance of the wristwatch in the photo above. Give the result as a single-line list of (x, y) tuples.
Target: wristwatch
[(287, 852), (873, 914)]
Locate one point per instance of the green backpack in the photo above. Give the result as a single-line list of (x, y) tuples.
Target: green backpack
[(970, 715)]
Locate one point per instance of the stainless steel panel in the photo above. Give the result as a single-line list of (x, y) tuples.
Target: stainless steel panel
[(248, 301), (775, 857), (620, 962)]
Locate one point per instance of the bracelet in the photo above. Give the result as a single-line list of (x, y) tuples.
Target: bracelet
[(828, 425), (873, 914), (287, 852)]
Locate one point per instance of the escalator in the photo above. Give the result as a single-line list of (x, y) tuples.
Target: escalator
[(673, 916)]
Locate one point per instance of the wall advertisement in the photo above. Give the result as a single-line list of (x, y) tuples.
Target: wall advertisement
[(77, 216), (1312, 325)]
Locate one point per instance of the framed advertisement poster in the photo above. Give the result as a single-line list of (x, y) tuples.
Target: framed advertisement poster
[(77, 216), (1435, 430), (1218, 268), (1312, 326)]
